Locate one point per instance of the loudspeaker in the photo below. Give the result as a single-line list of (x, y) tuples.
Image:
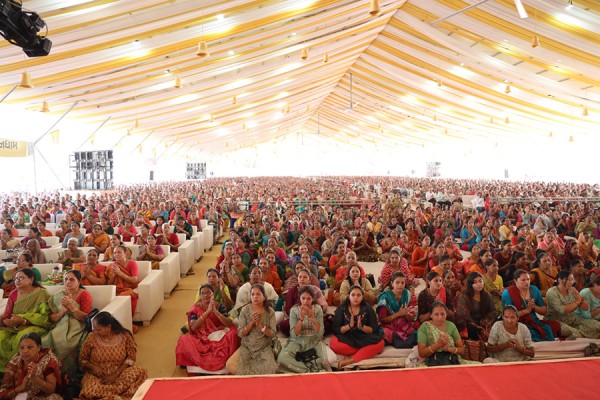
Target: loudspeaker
[(151, 175), (506, 173)]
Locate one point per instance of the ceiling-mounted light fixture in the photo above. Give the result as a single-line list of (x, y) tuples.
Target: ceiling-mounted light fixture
[(585, 112), (326, 58), (202, 49), (569, 5), (571, 139), (45, 107), (521, 9), (26, 81), (535, 41), (507, 89), (234, 100), (374, 8), (439, 83), (304, 53), (178, 83), (202, 46)]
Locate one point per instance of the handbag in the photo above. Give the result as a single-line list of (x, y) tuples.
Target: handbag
[(88, 320), (306, 356), (475, 350), (442, 358)]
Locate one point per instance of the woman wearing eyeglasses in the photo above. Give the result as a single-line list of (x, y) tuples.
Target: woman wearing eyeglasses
[(26, 311), (68, 310)]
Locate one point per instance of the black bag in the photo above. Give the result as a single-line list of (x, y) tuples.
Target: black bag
[(89, 318), (306, 356), (71, 385), (442, 358)]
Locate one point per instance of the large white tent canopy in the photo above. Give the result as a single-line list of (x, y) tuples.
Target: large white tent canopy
[(305, 87)]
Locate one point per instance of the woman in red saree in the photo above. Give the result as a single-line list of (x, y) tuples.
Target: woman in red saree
[(33, 372), (212, 339), (123, 274)]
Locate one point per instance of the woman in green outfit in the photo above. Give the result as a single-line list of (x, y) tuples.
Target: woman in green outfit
[(26, 311), (563, 301), (304, 351), (439, 342)]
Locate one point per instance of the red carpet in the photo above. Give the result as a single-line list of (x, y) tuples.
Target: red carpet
[(570, 379)]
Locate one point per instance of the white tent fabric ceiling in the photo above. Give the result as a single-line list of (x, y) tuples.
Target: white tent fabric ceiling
[(394, 78)]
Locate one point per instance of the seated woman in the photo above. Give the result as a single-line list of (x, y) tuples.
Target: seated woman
[(571, 253), (206, 319), (466, 264), (356, 277), (157, 228), (220, 290), (484, 256), (475, 308), (7, 277), (365, 247), (591, 294), (493, 284), (292, 298), (356, 332), (453, 288), (257, 329), (75, 233), (543, 274), (26, 311), (529, 303), (141, 238), (225, 257), (68, 310), (92, 273), (115, 241), (397, 313), (438, 340), (304, 351), (509, 339), (519, 260), (127, 231), (32, 373), (579, 274), (123, 274), (235, 275), (63, 230), (563, 300), (292, 281), (435, 291), (108, 358), (37, 256), (421, 257), (151, 252), (97, 239), (395, 263), (71, 255), (270, 276), (342, 272)]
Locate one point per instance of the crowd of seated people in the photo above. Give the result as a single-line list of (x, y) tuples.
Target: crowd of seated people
[(303, 241)]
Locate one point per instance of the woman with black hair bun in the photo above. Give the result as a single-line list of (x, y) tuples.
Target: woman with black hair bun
[(108, 358)]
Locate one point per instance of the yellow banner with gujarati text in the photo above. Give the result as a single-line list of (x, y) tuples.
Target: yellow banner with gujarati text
[(13, 148)]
